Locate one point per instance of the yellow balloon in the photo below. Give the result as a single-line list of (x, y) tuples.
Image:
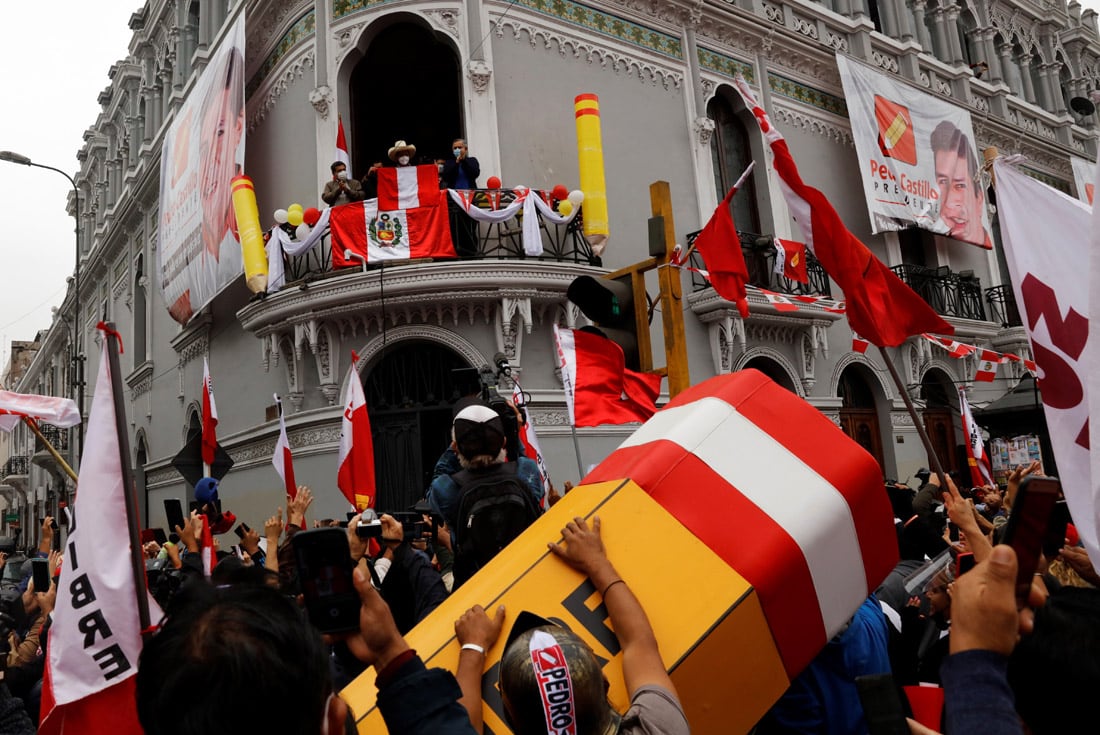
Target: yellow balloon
[(565, 207), (294, 208), (294, 217)]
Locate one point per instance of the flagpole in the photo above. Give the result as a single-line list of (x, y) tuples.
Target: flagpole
[(136, 556), (577, 447), (733, 190), (50, 448), (933, 459)]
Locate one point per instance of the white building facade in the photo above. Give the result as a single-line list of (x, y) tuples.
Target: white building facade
[(503, 75)]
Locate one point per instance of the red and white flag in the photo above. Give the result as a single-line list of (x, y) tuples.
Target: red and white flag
[(60, 412), (341, 154), (987, 366), (790, 260), (95, 637), (408, 187), (859, 344), (209, 416), (980, 471), (880, 307), (779, 301), (378, 234), (955, 349), (530, 441), (1052, 290), (282, 459), (355, 476), (797, 509), (599, 389)]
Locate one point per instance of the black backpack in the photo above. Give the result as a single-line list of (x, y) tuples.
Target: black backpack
[(494, 507)]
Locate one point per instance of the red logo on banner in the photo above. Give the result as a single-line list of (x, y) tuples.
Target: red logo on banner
[(895, 131)]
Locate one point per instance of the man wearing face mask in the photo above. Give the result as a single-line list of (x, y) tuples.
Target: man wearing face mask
[(460, 171), (342, 189), (401, 153)]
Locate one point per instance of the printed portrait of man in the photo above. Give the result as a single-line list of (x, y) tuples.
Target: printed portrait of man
[(962, 198)]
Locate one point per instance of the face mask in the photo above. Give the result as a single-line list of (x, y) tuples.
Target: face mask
[(457, 152), (403, 160), (342, 175)]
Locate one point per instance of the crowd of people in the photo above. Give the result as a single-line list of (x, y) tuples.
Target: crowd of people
[(236, 639)]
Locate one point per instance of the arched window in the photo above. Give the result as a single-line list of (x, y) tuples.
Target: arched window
[(731, 153)]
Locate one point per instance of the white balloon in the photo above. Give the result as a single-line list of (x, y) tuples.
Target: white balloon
[(281, 216), (303, 230), (576, 197)]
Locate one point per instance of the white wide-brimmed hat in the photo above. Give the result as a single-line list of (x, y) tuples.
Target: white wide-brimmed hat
[(401, 148)]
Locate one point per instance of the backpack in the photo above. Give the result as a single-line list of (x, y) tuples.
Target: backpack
[(494, 507)]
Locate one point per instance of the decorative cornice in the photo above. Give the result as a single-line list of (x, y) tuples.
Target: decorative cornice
[(141, 380), (194, 339), (294, 71)]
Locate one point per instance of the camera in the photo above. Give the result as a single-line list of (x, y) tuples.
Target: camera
[(368, 526)]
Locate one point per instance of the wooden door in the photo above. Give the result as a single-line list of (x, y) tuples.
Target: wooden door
[(862, 425), (940, 426)]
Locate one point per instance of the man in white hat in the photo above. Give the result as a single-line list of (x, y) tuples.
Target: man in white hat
[(402, 153)]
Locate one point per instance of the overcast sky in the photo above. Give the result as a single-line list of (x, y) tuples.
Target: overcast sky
[(53, 64), (54, 60)]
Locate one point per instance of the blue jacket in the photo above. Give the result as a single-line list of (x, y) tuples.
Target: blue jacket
[(443, 492)]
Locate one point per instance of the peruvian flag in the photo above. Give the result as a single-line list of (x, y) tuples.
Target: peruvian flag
[(720, 247), (530, 442), (859, 344), (955, 349), (60, 412), (880, 307), (95, 638), (209, 416), (980, 471), (342, 146), (790, 260), (779, 301), (408, 187), (599, 389), (987, 367), (379, 234), (282, 459), (355, 477)]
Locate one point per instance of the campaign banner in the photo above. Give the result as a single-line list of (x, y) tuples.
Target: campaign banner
[(1084, 178), (917, 157), (198, 253)]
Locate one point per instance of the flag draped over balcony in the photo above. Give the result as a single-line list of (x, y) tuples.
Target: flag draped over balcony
[(881, 308)]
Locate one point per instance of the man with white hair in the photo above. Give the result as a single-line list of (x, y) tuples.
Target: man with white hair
[(489, 501)]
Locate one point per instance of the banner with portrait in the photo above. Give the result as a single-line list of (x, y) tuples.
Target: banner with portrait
[(1084, 178), (917, 157), (198, 253)]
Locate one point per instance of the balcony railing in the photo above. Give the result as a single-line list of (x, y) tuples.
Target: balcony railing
[(760, 258), (59, 438), (474, 240), (14, 466), (1002, 306), (950, 294)]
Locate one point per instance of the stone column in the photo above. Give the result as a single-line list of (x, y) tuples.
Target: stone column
[(165, 79), (996, 73), (942, 47), (905, 20), (206, 34), (923, 37), (1011, 72), (1055, 94), (1025, 78), (954, 43), (155, 108), (888, 18)]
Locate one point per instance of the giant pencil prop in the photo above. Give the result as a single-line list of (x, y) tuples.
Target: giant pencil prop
[(253, 247), (750, 527), (586, 108)]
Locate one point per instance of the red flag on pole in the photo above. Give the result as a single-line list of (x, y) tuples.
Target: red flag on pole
[(355, 477), (987, 366), (980, 471), (720, 247), (598, 387), (60, 412), (282, 459), (790, 261), (209, 417), (880, 307), (342, 146), (88, 686), (206, 549), (530, 442)]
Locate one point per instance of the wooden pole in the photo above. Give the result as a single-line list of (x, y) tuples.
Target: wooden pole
[(50, 448), (672, 302), (137, 557)]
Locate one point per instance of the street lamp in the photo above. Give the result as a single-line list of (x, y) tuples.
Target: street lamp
[(78, 360)]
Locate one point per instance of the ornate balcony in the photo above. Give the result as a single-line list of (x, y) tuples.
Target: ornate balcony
[(16, 466), (760, 257), (950, 294), (1002, 307)]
